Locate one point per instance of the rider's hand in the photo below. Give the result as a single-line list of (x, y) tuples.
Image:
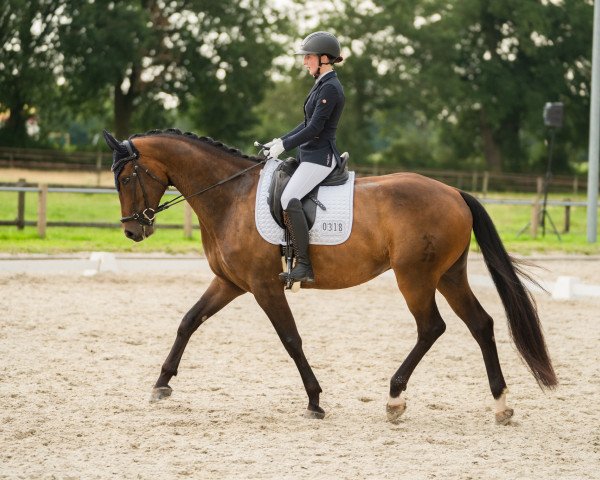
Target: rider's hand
[(271, 143), (275, 148)]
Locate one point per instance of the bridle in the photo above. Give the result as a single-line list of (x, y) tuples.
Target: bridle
[(147, 216)]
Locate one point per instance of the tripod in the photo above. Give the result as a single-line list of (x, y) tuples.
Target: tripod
[(544, 214)]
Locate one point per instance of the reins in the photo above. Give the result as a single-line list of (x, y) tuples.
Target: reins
[(147, 216)]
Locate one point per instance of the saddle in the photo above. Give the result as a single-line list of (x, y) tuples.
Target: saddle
[(281, 177)]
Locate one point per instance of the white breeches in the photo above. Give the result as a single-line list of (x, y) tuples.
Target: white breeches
[(306, 177)]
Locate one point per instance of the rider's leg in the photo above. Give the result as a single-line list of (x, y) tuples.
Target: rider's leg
[(304, 179)]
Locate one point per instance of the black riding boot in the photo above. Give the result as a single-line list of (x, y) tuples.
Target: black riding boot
[(295, 221)]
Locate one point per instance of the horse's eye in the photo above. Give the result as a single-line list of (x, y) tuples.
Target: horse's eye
[(125, 180)]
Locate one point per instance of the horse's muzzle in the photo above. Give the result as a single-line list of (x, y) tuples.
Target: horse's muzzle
[(136, 232)]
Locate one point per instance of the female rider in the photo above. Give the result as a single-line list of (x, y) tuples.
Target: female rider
[(315, 137)]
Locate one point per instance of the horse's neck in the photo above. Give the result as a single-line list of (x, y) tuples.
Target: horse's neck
[(194, 169)]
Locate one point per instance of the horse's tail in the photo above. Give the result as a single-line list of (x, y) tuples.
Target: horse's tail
[(519, 305)]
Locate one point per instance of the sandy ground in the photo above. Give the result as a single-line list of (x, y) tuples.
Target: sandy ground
[(80, 355), (104, 178)]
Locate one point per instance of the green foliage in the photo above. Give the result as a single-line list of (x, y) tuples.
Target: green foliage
[(428, 83), (28, 58), (466, 80), (210, 57)]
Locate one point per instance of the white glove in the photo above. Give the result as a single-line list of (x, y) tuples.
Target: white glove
[(271, 143), (276, 148)]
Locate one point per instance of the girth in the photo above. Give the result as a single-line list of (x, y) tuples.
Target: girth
[(281, 177)]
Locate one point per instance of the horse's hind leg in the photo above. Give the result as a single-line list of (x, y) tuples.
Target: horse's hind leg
[(455, 288), (219, 293), (420, 298)]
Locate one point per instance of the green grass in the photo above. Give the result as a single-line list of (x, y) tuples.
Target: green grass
[(510, 220), (75, 207)]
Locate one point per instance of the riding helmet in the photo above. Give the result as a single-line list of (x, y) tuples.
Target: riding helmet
[(321, 43)]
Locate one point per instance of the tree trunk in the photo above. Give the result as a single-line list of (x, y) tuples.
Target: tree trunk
[(14, 132), (124, 103), (123, 110), (491, 149)]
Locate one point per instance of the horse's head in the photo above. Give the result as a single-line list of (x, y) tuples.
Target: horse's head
[(141, 182)]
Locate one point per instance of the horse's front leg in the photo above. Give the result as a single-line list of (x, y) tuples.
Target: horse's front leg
[(275, 305), (219, 293)]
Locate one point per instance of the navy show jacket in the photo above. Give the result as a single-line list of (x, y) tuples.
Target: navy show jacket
[(315, 137)]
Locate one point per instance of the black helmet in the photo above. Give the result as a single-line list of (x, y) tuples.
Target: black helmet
[(321, 43)]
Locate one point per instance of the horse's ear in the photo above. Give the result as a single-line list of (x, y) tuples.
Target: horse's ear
[(111, 141)]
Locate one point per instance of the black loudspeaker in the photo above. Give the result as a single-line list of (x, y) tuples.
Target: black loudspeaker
[(553, 114)]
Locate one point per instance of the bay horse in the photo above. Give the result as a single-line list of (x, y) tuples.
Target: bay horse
[(418, 227)]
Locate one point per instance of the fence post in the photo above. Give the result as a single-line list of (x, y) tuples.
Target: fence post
[(535, 216), (42, 210), (484, 186), (187, 220), (98, 168), (474, 182), (536, 209), (21, 205), (567, 217)]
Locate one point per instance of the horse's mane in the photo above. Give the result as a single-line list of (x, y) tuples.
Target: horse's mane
[(208, 140)]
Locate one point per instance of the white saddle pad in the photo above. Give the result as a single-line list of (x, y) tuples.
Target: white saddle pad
[(331, 227)]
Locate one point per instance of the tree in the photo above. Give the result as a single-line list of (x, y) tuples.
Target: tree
[(473, 74), (28, 60), (208, 58)]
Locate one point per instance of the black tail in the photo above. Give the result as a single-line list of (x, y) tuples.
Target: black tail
[(521, 312)]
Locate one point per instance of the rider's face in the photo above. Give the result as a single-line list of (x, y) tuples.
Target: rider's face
[(311, 62)]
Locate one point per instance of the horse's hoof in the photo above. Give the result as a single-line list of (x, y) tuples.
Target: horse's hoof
[(394, 412), (158, 393), (314, 412), (503, 418)]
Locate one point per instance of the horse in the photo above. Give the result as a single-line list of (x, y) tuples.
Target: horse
[(416, 226)]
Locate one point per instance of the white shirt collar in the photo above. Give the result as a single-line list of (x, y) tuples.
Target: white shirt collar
[(320, 77)]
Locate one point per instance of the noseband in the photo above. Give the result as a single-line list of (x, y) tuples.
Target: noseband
[(146, 217)]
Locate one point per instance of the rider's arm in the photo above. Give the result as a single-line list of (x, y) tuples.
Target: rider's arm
[(293, 132)]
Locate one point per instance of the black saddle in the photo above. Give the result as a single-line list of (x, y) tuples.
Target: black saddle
[(281, 177)]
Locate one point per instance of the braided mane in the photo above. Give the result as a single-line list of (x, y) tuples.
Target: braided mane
[(193, 136)]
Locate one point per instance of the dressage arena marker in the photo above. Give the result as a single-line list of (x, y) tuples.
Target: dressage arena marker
[(564, 288), (104, 262)]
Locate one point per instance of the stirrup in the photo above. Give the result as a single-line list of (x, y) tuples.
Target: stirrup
[(303, 273)]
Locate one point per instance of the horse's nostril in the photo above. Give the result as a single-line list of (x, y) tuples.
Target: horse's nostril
[(129, 234)]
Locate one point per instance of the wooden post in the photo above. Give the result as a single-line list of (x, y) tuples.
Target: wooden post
[(474, 182), (42, 210), (484, 186), (536, 207), (187, 220), (98, 168), (535, 216), (567, 217), (539, 185), (21, 206)]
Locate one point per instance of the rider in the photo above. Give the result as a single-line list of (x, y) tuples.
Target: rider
[(315, 137)]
